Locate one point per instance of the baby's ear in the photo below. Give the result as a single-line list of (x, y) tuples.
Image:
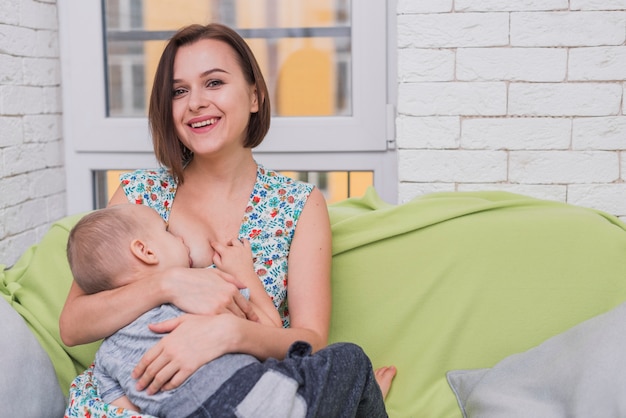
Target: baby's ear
[(142, 252)]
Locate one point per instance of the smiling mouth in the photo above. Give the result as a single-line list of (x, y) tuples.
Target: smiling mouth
[(203, 123)]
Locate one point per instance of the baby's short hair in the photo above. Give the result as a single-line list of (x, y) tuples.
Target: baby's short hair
[(97, 250)]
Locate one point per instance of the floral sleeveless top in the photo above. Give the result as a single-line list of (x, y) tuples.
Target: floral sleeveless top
[(269, 221)]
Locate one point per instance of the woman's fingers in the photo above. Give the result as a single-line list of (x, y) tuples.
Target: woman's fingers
[(173, 359), (209, 292), (148, 367), (152, 371), (246, 308)]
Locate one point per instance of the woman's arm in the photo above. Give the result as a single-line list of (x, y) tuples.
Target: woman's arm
[(309, 293), (172, 360), (87, 318), (82, 320)]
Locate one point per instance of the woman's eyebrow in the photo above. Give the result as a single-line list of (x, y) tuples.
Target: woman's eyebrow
[(205, 74), (214, 70)]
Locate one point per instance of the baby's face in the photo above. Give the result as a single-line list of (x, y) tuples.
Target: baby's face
[(169, 248)]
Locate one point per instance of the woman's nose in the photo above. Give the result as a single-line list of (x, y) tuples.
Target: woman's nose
[(197, 100)]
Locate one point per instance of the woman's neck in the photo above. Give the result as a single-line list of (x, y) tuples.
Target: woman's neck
[(225, 174)]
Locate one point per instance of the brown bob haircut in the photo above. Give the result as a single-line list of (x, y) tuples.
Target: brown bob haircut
[(168, 149)]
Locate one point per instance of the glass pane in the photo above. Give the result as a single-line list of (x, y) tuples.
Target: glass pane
[(303, 47), (335, 185)]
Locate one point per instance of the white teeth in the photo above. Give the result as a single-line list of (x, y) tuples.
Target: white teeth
[(204, 123)]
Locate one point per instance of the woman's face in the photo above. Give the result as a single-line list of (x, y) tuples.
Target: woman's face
[(211, 100)]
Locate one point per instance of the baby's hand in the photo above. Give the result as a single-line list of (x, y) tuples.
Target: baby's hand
[(234, 258)]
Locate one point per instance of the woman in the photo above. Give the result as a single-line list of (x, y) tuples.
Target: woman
[(209, 107)]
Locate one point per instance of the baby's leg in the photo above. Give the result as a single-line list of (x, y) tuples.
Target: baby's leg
[(337, 381)]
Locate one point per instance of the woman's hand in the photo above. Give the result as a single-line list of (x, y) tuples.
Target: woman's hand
[(193, 340), (208, 292)]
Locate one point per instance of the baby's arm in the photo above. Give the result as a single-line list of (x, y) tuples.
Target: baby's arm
[(235, 258), (124, 402), (268, 316)]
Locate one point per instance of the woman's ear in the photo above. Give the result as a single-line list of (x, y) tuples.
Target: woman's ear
[(143, 253), (254, 100)]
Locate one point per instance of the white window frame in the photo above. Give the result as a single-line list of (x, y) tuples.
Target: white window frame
[(363, 141)]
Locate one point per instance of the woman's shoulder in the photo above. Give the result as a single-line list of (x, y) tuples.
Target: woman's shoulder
[(147, 175), (151, 187), (271, 180), (278, 199)]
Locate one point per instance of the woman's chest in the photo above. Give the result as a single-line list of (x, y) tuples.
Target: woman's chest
[(199, 229)]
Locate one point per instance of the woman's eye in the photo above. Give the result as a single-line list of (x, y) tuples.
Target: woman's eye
[(214, 83), (178, 92)]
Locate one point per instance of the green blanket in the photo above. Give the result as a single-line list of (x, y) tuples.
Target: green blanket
[(462, 280), (447, 281)]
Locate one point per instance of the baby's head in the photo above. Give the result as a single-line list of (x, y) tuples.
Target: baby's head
[(111, 243)]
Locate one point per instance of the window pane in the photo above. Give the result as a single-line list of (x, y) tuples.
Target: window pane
[(303, 47), (335, 185), (126, 79)]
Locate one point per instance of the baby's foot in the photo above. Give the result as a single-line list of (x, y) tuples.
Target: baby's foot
[(384, 377)]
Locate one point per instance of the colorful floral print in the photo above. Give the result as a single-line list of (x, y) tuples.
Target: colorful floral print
[(85, 402)]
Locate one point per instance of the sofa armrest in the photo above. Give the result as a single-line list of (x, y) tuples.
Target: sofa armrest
[(28, 382)]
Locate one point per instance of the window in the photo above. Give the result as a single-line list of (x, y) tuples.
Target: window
[(324, 62), (335, 185)]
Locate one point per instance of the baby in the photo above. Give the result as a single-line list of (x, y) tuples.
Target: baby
[(115, 246)]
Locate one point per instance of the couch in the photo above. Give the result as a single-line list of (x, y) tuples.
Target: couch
[(457, 290)]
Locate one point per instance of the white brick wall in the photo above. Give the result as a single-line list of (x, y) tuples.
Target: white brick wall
[(32, 179), (525, 96)]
